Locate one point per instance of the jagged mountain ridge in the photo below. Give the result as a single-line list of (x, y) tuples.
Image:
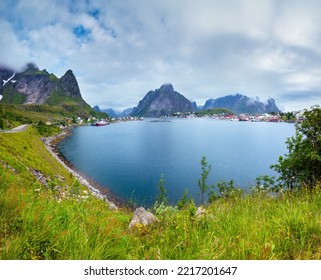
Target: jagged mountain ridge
[(161, 102), (34, 86), (37, 91), (117, 114), (239, 103)]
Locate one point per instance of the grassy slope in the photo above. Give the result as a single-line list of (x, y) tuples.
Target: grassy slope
[(38, 222), (17, 114)]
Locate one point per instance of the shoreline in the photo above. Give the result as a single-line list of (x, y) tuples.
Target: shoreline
[(97, 190)]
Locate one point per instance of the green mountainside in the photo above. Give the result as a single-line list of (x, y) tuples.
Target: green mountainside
[(32, 95)]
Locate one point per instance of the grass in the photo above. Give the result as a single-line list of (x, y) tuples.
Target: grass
[(59, 220), (12, 115)]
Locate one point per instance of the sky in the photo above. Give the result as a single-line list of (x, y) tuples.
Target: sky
[(119, 50)]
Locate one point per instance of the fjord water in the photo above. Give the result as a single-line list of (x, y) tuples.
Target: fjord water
[(130, 157)]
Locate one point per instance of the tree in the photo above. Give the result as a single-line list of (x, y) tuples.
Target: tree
[(162, 196), (302, 165), (206, 169)]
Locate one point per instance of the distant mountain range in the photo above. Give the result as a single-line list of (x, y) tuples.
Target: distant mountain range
[(34, 86), (38, 87), (161, 102), (115, 114), (239, 103), (165, 101)]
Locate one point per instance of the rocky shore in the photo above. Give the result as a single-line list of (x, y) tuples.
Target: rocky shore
[(95, 189)]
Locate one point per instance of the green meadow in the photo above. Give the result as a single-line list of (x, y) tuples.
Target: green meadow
[(45, 213)]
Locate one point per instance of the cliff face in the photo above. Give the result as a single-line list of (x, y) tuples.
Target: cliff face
[(239, 103), (34, 86), (69, 85), (161, 102)]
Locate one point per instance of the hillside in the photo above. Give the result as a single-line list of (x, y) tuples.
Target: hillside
[(161, 102), (47, 214), (34, 86), (32, 95), (239, 103)]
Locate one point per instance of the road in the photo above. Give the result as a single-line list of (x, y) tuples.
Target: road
[(16, 129)]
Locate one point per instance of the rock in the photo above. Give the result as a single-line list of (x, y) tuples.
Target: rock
[(112, 207), (200, 212), (142, 217), (34, 86)]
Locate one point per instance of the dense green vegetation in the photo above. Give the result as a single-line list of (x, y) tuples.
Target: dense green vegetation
[(56, 218), (12, 115), (301, 167), (215, 111)]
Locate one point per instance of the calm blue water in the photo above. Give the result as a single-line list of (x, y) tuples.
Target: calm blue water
[(129, 158)]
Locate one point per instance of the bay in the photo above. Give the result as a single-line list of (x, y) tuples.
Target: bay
[(130, 157)]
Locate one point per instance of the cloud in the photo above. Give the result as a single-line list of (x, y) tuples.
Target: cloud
[(119, 50)]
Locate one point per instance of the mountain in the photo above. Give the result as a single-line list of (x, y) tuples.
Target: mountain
[(110, 112), (32, 86), (96, 108), (239, 103), (161, 102), (115, 114)]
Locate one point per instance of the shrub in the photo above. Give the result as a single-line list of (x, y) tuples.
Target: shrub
[(302, 165)]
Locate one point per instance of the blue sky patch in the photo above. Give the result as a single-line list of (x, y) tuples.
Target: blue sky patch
[(81, 32), (95, 13)]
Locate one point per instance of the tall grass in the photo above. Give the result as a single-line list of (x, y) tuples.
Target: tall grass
[(37, 222)]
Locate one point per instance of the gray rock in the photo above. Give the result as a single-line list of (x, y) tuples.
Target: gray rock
[(112, 207), (142, 217), (200, 212)]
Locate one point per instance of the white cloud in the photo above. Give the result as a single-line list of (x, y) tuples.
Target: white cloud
[(206, 48), (13, 52)]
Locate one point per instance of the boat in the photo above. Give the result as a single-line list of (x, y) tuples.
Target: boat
[(101, 123)]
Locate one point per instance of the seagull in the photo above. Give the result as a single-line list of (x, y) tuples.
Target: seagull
[(6, 81), (1, 97)]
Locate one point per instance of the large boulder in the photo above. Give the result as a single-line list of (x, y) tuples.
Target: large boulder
[(142, 217)]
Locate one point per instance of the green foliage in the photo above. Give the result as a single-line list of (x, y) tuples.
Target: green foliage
[(11, 95), (192, 209), (288, 117), (302, 165), (47, 130), (266, 184), (162, 192), (15, 115), (184, 200), (215, 111), (225, 190), (202, 183)]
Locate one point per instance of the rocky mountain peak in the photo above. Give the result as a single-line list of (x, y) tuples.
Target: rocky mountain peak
[(34, 86), (69, 84), (167, 87), (161, 102), (239, 103)]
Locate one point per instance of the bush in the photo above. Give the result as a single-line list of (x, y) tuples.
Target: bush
[(302, 165)]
